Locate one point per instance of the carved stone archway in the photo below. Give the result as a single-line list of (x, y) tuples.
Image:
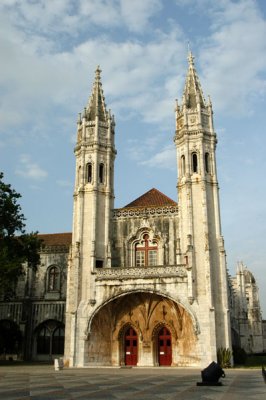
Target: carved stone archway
[(145, 313)]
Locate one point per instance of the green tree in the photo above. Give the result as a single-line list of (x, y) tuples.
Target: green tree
[(16, 246)]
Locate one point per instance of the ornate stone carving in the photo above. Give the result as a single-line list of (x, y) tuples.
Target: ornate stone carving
[(145, 212), (142, 272)]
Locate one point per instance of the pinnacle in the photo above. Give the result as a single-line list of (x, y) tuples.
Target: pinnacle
[(96, 105), (191, 58), (192, 92), (98, 74)]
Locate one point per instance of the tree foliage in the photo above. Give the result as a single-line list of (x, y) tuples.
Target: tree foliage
[(16, 246)]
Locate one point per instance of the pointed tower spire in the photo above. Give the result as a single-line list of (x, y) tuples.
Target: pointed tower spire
[(96, 105), (200, 232), (192, 94)]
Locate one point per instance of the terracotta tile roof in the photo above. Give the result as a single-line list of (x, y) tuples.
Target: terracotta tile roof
[(152, 198), (56, 239)]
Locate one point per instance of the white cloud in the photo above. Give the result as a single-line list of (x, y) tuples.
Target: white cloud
[(74, 16), (166, 158), (137, 13), (233, 58), (30, 169), (139, 78), (135, 75), (101, 12), (43, 17)]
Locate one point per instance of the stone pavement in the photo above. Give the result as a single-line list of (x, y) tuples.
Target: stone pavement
[(41, 382)]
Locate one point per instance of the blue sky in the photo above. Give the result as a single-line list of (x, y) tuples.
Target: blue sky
[(49, 52)]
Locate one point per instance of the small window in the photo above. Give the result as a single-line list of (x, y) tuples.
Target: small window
[(111, 177), (53, 279), (99, 263), (101, 173), (79, 176), (183, 166), (89, 173), (207, 162), (194, 162)]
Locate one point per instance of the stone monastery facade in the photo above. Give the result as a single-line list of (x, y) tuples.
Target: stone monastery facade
[(146, 284)]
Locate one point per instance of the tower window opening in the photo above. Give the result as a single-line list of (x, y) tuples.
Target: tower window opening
[(183, 165), (79, 176), (101, 173), (207, 162), (111, 179), (89, 172), (194, 162)]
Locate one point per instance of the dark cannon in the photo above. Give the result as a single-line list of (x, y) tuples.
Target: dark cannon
[(210, 376)]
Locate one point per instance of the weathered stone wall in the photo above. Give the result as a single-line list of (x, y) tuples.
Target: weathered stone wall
[(127, 224), (34, 304)]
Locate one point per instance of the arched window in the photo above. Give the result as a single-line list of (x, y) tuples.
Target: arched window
[(79, 176), (146, 252), (53, 280), (207, 162), (89, 173), (58, 339), (194, 162), (111, 177), (43, 341), (50, 338), (183, 165), (101, 173)]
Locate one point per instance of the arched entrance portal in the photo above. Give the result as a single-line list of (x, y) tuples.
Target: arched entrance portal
[(164, 347), (131, 347), (143, 329)]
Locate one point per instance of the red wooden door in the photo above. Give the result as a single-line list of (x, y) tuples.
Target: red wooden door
[(164, 347), (131, 347)]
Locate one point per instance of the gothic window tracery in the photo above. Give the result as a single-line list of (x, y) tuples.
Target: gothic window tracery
[(53, 279), (50, 338), (146, 251)]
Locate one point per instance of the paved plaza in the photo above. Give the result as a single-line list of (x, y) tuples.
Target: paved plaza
[(42, 382)]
